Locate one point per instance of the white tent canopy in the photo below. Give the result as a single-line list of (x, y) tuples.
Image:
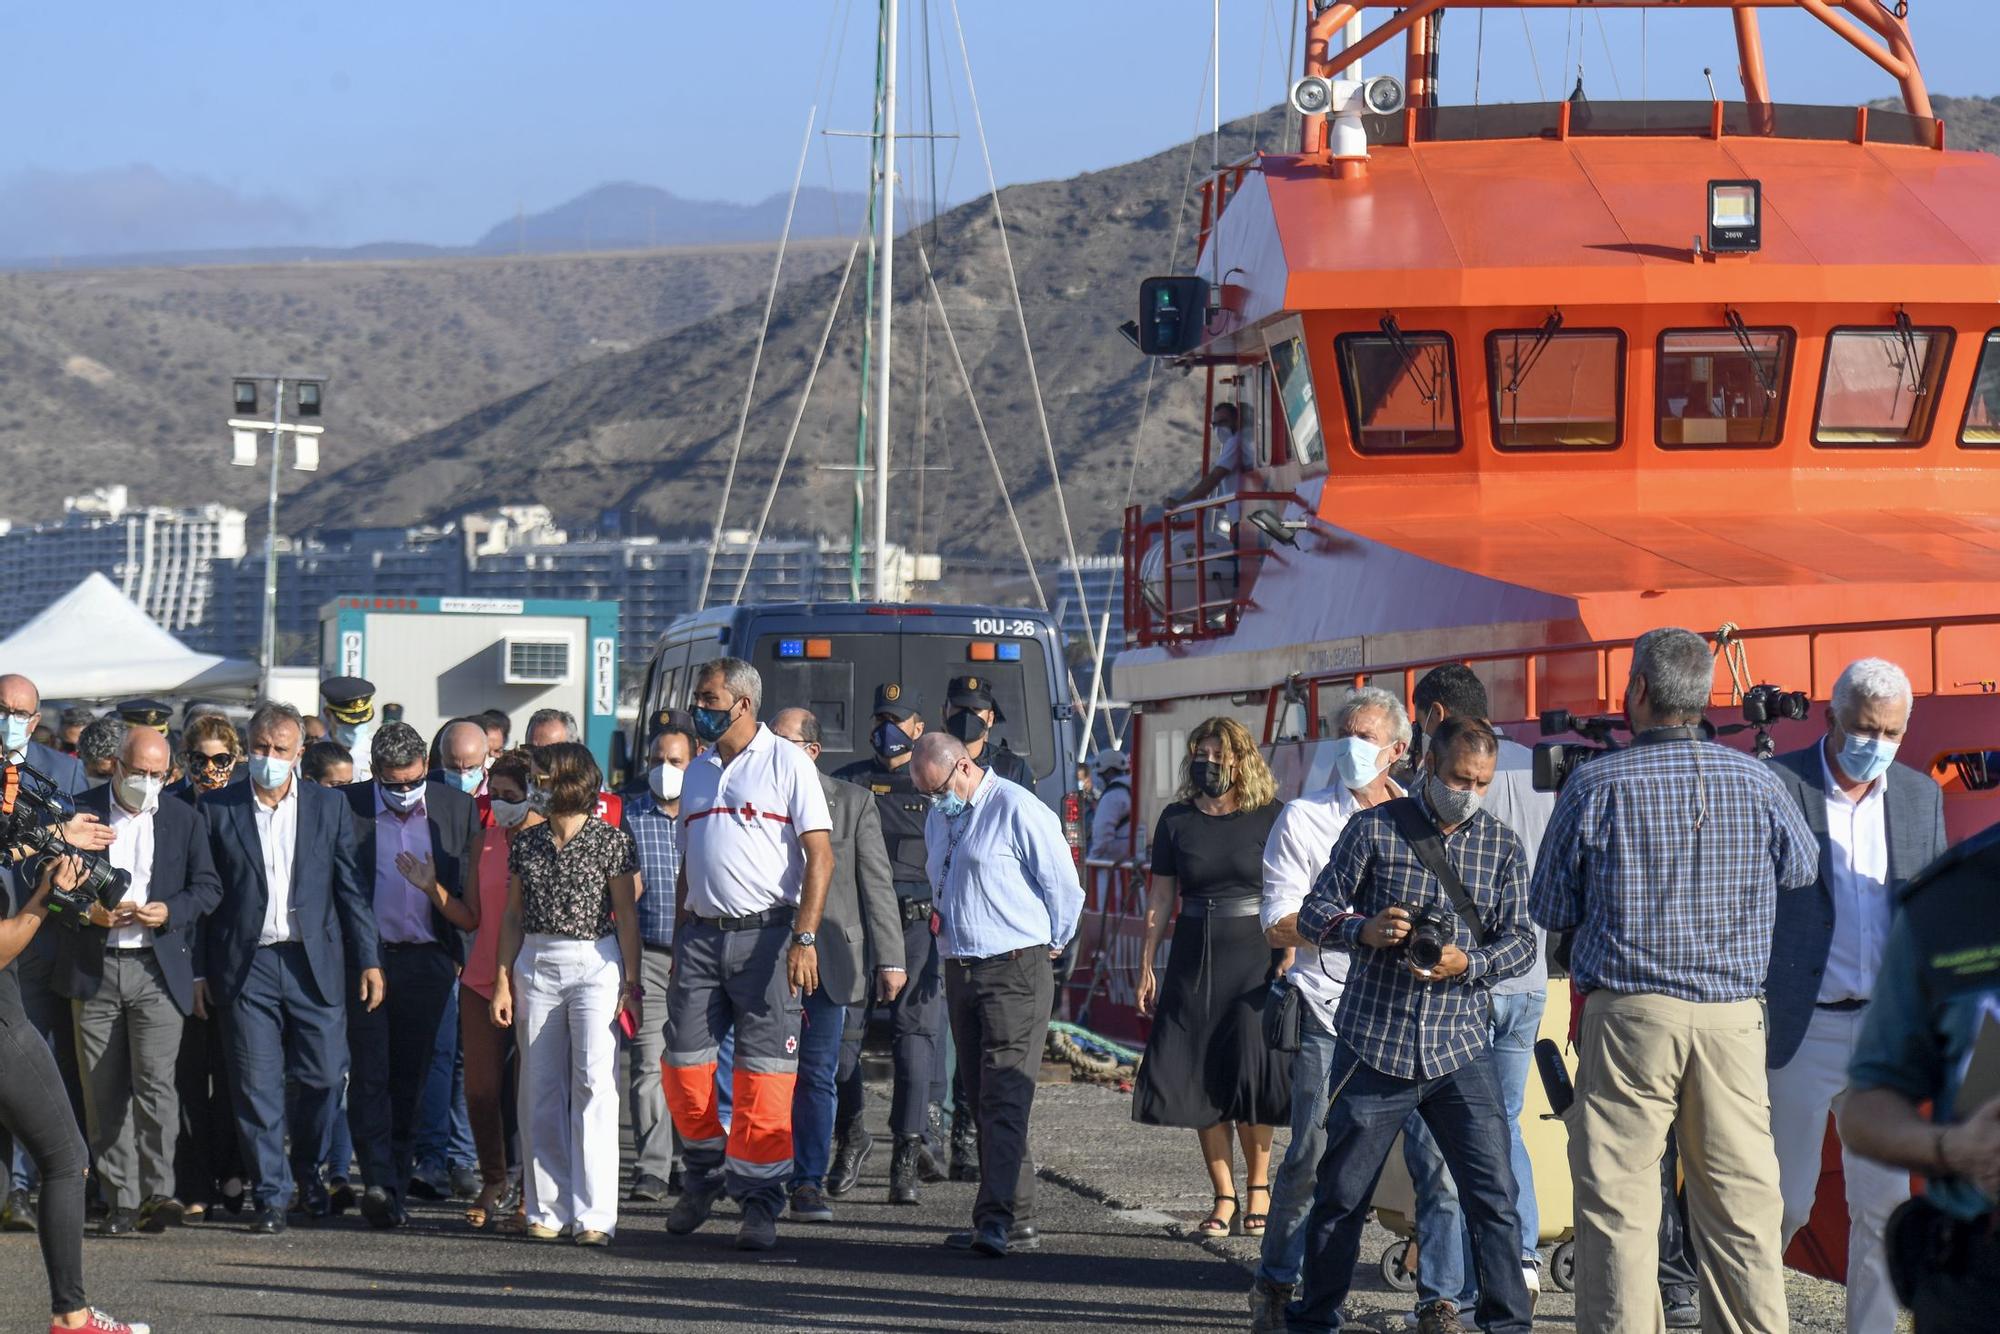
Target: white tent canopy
[(93, 643)]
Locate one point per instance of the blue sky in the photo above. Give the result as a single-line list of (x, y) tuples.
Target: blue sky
[(429, 120)]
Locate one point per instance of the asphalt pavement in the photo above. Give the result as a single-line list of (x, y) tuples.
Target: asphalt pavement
[(1116, 1206)]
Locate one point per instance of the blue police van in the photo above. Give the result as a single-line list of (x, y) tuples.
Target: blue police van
[(830, 656)]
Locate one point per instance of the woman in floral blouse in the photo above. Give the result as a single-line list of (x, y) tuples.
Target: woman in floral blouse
[(571, 886)]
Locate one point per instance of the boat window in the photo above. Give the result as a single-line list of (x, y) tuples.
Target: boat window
[(1723, 387), (1556, 389), (1402, 391), (1982, 415), (1295, 391), (1880, 386)]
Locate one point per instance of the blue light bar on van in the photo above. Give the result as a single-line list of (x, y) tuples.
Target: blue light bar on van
[(791, 648), (1009, 652)]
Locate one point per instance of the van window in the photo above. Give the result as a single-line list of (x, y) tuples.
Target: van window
[(1722, 388), (1982, 414), (1401, 390), (1880, 386), (1562, 390)]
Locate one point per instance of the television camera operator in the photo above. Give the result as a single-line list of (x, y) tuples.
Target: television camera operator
[(34, 1107), (1666, 860)]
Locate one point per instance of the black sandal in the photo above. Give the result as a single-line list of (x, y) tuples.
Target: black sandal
[(1253, 1224), (1215, 1225)]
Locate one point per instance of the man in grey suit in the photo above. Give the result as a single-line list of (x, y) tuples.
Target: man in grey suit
[(1878, 824), (861, 920)]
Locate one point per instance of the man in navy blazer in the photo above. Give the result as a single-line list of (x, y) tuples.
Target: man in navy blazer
[(417, 850), (132, 980), (1878, 824), (276, 952)]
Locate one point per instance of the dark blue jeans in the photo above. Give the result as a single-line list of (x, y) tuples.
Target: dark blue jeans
[(1468, 1119)]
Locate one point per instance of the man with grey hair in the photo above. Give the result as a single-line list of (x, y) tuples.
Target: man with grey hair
[(1667, 860), (1878, 824), (97, 747), (549, 727), (1374, 734)]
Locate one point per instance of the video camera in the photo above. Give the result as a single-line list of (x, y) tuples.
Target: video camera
[(32, 813), (1763, 707)]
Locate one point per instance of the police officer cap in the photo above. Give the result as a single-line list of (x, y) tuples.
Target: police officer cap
[(973, 692), (894, 701), (679, 720), (349, 699), (146, 713), (1108, 761)]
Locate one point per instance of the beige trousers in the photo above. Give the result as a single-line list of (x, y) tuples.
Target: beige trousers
[(1648, 1064)]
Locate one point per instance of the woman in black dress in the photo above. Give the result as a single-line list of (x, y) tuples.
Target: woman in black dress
[(1206, 1065)]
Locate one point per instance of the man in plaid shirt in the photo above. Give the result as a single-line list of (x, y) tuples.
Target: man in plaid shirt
[(1416, 1040), (1666, 859)]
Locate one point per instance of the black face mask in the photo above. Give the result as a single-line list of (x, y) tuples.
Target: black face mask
[(1209, 778), (889, 740), (966, 725)]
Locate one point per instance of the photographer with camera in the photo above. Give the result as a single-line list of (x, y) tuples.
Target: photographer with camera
[(35, 1110), (1666, 860), (1427, 894)]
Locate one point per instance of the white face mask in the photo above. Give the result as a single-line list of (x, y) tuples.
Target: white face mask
[(509, 813), (138, 793), (403, 801), (665, 780)]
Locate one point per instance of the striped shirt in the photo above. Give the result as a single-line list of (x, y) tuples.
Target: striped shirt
[(1666, 859), (658, 837), (1394, 1020)]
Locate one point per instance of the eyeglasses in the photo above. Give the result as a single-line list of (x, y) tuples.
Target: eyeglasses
[(409, 785)]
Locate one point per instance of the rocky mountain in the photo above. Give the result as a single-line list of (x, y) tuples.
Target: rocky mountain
[(624, 216), (122, 375)]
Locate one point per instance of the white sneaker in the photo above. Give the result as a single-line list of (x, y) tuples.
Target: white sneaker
[(1532, 1276)]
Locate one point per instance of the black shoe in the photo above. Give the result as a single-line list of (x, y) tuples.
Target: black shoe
[(691, 1210), (268, 1221), (18, 1214), (903, 1170), (424, 1186), (1020, 1237), (990, 1240), (648, 1189), (340, 1199), (464, 1182), (160, 1213), (381, 1209), (312, 1200), (848, 1159), (964, 1146), (676, 1180), (1268, 1301), (118, 1223), (1683, 1312)]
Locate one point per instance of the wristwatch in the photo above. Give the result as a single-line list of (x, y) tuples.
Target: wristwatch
[(805, 940)]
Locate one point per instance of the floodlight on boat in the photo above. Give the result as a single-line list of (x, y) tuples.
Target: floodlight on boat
[(1735, 217), (1383, 95), (1312, 96)]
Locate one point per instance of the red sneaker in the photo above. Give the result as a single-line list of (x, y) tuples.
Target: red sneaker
[(100, 1323)]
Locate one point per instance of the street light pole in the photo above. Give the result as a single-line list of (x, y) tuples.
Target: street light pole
[(269, 638)]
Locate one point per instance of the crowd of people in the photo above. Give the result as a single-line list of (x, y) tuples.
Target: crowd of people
[(351, 966), (1371, 960)]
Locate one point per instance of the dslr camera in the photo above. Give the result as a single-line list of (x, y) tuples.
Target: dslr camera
[(1431, 929), (1767, 704), (32, 813)]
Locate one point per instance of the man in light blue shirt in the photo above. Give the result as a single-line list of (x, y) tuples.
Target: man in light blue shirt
[(1003, 879)]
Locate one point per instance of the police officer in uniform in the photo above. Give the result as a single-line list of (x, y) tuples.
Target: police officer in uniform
[(348, 707), (971, 715), (146, 713), (918, 1010), (1933, 1035)]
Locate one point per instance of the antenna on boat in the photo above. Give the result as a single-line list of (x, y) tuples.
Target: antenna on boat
[(1709, 74)]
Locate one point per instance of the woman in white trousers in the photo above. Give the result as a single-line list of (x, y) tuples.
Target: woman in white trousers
[(568, 941)]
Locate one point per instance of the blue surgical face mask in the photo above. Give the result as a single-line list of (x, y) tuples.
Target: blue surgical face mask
[(710, 724), (14, 733), (354, 736), (466, 780), (270, 772), (947, 802), (1358, 761), (1865, 758)]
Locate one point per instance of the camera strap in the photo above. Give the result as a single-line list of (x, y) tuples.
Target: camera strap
[(1425, 840)]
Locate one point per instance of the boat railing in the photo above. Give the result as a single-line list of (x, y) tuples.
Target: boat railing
[(1188, 571), (1943, 655)]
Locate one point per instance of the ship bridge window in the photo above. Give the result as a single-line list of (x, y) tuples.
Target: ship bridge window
[(1723, 387), (1982, 415), (1402, 390), (1556, 389), (1880, 386), (1295, 391)]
